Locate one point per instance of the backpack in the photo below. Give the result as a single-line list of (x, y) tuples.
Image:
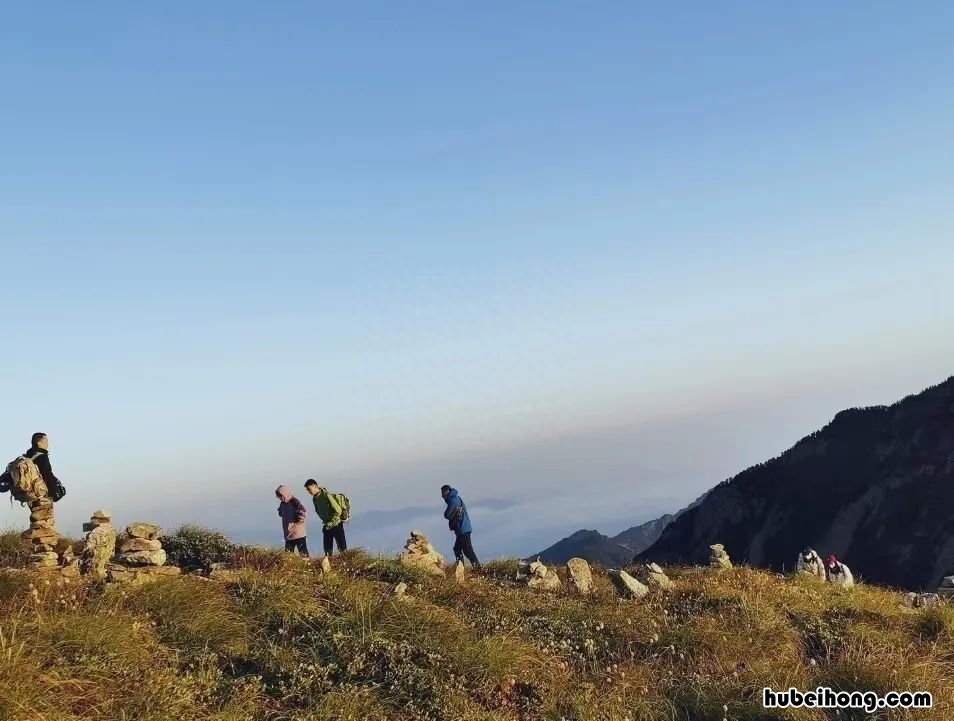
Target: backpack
[(26, 481), (345, 504)]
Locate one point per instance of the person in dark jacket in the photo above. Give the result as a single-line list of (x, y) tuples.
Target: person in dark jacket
[(292, 513), (458, 520), (40, 454)]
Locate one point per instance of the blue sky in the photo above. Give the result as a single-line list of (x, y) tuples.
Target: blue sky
[(584, 262)]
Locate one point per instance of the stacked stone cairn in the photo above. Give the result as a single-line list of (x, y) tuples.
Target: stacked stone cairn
[(538, 577), (42, 535), (141, 556), (719, 559), (420, 554), (100, 544)]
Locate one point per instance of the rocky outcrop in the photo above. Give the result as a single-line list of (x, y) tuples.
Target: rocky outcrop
[(718, 558), (627, 586), (946, 589), (875, 485), (420, 554), (580, 575)]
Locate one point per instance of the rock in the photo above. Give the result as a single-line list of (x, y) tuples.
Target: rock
[(70, 571), (400, 590), (131, 545), (719, 559), (159, 570), (325, 564), (550, 581), (421, 555), (43, 548), (34, 534), (580, 575), (458, 573), (143, 558), (44, 513), (144, 530), (45, 556), (538, 570), (36, 525), (120, 575), (627, 586), (652, 576), (100, 547)]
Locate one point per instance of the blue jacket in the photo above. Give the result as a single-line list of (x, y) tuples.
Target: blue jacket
[(455, 502)]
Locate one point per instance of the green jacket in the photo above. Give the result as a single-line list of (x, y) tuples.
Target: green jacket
[(327, 508)]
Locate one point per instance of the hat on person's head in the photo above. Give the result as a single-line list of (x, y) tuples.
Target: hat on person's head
[(832, 561)]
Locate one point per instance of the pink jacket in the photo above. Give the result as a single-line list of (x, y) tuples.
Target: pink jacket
[(292, 513)]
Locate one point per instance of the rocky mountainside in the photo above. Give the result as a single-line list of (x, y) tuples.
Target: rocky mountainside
[(590, 545), (875, 486), (615, 551)]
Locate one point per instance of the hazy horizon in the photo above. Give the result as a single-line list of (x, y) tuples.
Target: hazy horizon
[(581, 265)]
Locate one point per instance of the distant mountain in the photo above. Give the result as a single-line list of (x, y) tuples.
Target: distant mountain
[(875, 486), (616, 551), (591, 545)]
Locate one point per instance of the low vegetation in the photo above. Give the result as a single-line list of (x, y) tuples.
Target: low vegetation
[(277, 640)]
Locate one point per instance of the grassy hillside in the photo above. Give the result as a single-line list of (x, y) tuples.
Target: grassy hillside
[(277, 640)]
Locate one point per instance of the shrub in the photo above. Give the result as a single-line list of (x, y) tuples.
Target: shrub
[(195, 547), (13, 549)]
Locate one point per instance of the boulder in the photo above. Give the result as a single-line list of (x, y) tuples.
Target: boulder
[(143, 530), (538, 577), (653, 576), (143, 558), (100, 547), (580, 575), (627, 586), (128, 544), (719, 559)]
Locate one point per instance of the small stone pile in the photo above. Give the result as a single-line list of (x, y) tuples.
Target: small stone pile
[(42, 534), (421, 555), (140, 556), (100, 544), (580, 575), (653, 576), (719, 559), (538, 577), (946, 589)]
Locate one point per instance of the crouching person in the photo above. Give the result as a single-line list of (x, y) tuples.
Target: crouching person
[(839, 573), (292, 513)]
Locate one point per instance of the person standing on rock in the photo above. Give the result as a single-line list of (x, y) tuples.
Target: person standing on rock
[(331, 513), (292, 513), (458, 520)]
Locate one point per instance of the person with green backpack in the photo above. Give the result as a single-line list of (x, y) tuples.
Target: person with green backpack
[(334, 510)]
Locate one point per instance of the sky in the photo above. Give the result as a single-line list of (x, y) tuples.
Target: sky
[(581, 261)]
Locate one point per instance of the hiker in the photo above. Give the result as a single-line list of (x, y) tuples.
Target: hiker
[(839, 573), (810, 563), (458, 520), (292, 513), (332, 513), (39, 454)]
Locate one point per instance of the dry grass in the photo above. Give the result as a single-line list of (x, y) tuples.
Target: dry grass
[(279, 641)]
